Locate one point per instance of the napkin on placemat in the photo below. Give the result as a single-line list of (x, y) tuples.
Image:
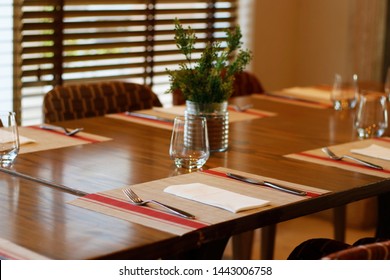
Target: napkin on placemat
[(375, 151), (221, 198), (6, 136)]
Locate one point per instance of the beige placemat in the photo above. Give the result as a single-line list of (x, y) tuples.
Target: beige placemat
[(171, 112), (318, 156), (316, 97), (114, 202), (12, 251), (48, 139), (290, 101), (315, 94)]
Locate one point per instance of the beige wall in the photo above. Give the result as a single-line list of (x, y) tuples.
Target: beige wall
[(305, 42)]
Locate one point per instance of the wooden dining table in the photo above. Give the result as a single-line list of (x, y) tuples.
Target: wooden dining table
[(36, 190)]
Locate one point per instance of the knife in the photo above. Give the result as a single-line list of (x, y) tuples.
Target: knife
[(266, 183), (150, 117)]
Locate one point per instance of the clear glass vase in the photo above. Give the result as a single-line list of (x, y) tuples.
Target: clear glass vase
[(217, 117)]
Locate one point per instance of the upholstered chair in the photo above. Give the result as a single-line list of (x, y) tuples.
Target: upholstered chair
[(373, 251), (85, 100)]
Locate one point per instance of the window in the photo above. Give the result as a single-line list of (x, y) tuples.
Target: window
[(69, 41), (6, 57)]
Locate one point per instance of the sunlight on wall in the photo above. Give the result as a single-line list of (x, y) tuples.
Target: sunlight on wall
[(246, 14)]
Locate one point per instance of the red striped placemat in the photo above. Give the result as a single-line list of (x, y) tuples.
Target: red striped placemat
[(319, 157), (170, 113), (144, 121), (314, 97), (115, 203), (49, 139)]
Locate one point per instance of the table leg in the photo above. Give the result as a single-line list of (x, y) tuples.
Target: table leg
[(242, 245), (268, 234), (383, 223), (207, 251), (339, 216)]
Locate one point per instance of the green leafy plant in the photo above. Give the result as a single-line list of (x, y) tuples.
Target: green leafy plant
[(210, 78)]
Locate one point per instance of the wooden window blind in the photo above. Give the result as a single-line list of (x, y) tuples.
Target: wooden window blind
[(71, 41)]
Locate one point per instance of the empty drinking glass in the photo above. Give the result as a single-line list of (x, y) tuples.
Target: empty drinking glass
[(371, 117), (189, 143), (9, 138), (344, 93)]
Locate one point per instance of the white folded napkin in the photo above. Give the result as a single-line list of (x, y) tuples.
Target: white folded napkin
[(224, 199), (6, 136), (375, 151)]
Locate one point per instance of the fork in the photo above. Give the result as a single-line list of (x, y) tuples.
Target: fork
[(66, 131), (136, 200), (332, 155)]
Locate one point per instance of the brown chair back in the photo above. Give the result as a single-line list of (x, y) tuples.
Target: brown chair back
[(96, 99), (245, 83)]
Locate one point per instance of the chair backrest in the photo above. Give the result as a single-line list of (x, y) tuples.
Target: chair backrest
[(96, 99), (245, 83), (372, 251)]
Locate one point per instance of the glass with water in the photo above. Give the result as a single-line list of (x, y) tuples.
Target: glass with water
[(189, 142), (371, 115), (9, 138)]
